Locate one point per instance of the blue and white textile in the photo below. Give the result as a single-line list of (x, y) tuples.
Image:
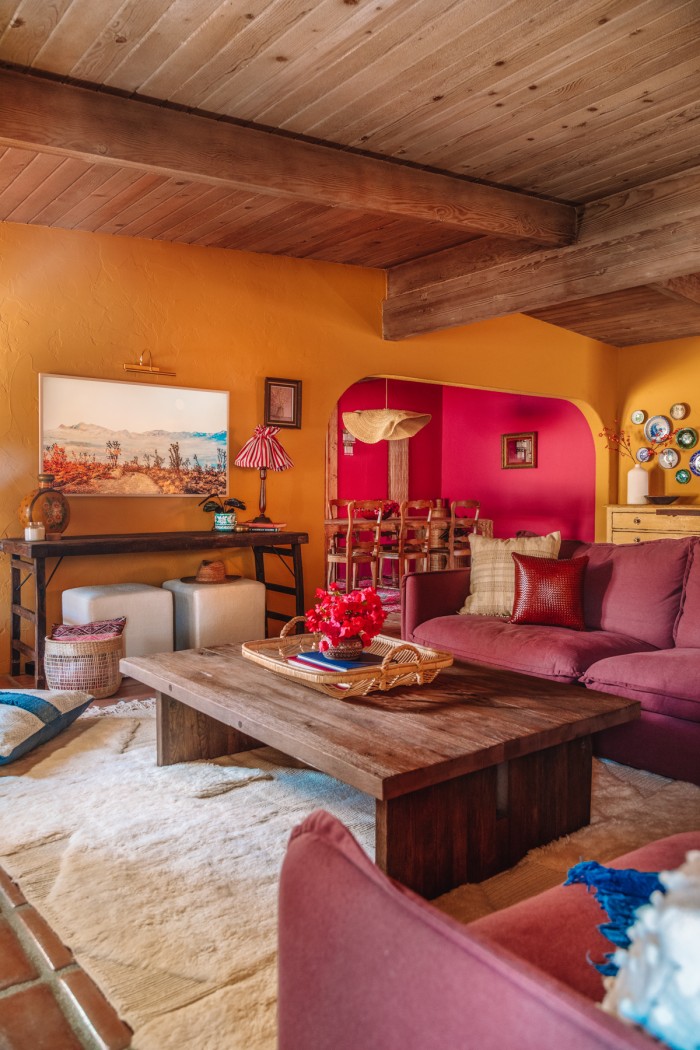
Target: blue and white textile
[(34, 716)]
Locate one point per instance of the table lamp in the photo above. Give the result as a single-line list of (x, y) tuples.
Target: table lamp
[(263, 452)]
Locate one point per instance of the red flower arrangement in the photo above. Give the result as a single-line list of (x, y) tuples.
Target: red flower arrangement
[(619, 441), (337, 616)]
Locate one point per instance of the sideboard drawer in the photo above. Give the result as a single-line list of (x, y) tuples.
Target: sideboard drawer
[(628, 536), (677, 524)]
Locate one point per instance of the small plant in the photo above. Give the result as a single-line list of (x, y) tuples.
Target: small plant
[(214, 502)]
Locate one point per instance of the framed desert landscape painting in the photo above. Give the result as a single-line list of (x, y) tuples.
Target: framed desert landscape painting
[(112, 438)]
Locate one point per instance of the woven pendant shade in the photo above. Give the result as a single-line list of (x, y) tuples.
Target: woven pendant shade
[(384, 424)]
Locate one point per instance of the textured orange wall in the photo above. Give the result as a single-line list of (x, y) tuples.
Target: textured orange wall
[(83, 304)]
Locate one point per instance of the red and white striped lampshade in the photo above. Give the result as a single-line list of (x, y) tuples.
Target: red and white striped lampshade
[(263, 450)]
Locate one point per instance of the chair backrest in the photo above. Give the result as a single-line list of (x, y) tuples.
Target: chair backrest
[(464, 514), (335, 506), (414, 531), (364, 517)]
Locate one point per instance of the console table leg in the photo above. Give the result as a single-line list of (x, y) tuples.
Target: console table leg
[(184, 734)]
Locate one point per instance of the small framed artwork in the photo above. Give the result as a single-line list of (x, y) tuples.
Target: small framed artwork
[(519, 450), (283, 403)]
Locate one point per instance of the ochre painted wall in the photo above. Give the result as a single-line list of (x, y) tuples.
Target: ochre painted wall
[(653, 377), (83, 304)]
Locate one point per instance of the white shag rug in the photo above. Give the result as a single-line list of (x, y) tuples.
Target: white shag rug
[(164, 881)]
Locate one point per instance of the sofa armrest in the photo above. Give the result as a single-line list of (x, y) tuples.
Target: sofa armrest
[(425, 595), (363, 962)]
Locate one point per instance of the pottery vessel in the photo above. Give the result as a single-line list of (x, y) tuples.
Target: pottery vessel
[(345, 649), (46, 505)]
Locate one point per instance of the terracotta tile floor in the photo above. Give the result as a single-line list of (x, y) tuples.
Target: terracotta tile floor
[(47, 1002)]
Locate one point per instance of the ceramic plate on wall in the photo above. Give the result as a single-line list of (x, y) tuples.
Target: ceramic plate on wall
[(695, 464), (683, 476), (687, 437), (644, 455), (638, 417), (678, 411), (657, 428), (669, 458)]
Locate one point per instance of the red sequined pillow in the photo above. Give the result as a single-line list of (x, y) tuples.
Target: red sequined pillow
[(549, 591), (98, 630)]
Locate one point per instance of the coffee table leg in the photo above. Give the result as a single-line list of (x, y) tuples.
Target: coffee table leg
[(469, 828), (184, 734), (441, 836)]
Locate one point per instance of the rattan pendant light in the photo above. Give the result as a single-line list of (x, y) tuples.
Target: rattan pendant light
[(384, 424)]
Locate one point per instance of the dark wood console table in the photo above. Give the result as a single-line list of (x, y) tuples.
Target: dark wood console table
[(28, 561)]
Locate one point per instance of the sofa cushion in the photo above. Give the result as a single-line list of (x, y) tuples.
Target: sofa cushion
[(527, 928), (635, 589), (548, 652), (549, 591), (492, 579), (687, 632), (666, 682)]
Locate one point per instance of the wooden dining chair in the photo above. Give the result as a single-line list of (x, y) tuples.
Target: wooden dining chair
[(352, 542), (464, 515), (412, 541), (449, 547)]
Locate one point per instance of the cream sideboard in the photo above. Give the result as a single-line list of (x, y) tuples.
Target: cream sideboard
[(635, 524)]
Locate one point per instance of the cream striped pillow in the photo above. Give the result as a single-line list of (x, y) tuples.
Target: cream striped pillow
[(492, 579)]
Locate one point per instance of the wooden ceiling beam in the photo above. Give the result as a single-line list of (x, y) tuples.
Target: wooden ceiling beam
[(78, 122), (647, 236), (684, 289)]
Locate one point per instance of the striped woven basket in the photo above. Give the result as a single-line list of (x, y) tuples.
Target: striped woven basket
[(91, 665)]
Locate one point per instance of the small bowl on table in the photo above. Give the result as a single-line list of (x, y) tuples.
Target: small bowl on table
[(661, 501)]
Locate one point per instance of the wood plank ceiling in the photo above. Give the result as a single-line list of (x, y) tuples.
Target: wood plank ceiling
[(370, 132)]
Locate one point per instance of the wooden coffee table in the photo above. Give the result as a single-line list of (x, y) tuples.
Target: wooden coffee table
[(469, 773)]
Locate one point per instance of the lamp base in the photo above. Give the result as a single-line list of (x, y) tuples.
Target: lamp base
[(262, 519)]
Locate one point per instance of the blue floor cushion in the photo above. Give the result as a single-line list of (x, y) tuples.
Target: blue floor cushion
[(34, 716)]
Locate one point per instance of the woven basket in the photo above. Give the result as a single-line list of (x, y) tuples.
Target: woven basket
[(90, 665)]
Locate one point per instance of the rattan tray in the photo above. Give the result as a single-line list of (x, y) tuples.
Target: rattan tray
[(404, 663)]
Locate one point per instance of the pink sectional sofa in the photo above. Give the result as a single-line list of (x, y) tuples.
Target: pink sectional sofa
[(642, 640), (365, 964)]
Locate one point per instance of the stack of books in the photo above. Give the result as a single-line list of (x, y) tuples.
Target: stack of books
[(320, 662)]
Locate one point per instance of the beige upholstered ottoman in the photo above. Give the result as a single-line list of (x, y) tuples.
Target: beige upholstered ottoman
[(216, 613), (148, 611)]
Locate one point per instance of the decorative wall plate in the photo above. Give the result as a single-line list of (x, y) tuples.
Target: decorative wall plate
[(683, 476), (657, 428), (679, 410), (644, 454), (638, 417), (669, 458), (687, 437), (695, 464)]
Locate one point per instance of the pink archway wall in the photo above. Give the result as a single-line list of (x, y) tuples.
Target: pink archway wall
[(458, 454)]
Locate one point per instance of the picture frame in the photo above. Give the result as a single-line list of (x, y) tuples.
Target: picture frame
[(519, 451), (283, 403), (110, 437)]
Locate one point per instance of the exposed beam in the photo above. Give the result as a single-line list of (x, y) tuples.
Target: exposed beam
[(684, 289), (479, 254), (78, 122), (622, 245)]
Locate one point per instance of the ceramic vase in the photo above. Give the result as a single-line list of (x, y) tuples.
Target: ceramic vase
[(345, 649), (46, 505), (637, 484)]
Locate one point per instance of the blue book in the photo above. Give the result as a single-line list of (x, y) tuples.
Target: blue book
[(320, 661)]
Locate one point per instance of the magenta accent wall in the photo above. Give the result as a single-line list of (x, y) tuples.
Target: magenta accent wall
[(458, 454)]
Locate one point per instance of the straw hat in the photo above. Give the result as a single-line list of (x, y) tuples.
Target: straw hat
[(210, 572), (384, 424)]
